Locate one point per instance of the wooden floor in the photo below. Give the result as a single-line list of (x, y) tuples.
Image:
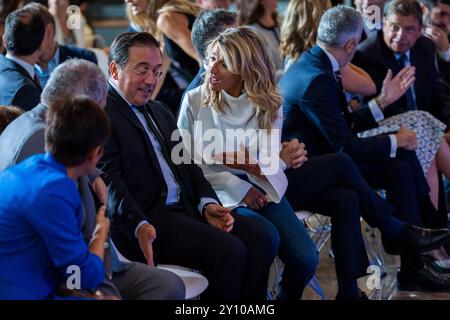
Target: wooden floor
[(326, 277)]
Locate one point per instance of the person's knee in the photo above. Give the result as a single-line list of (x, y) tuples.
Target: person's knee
[(348, 201), (306, 261), (267, 237), (234, 253), (174, 288)]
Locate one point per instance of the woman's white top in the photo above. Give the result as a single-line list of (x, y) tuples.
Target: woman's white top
[(205, 131)]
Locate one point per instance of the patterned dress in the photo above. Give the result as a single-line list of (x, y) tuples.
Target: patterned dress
[(429, 131)]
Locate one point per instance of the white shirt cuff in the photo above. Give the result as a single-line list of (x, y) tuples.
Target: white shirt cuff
[(393, 145), (282, 165), (445, 55), (203, 201), (375, 110), (138, 226)]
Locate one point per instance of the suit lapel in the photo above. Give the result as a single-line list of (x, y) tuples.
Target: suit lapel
[(22, 71), (128, 113)]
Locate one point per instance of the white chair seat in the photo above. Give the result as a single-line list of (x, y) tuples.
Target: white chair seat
[(194, 282)]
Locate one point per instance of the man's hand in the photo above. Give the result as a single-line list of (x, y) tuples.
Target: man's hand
[(293, 153), (101, 223), (395, 87), (146, 234), (100, 190), (406, 139), (438, 36), (255, 199), (219, 217)]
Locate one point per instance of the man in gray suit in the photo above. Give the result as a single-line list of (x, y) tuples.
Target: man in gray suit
[(25, 137)]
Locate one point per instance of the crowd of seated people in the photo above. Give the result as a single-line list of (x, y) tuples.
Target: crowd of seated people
[(210, 131)]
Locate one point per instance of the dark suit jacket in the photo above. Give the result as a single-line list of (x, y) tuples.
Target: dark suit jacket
[(17, 87), (315, 112), (431, 95), (137, 188), (69, 52)]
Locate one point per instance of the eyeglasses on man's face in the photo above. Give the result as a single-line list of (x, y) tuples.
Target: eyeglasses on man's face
[(144, 71)]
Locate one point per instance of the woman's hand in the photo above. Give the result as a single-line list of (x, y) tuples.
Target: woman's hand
[(255, 199)]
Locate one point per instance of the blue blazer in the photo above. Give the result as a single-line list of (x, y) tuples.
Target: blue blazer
[(315, 112), (40, 231), (17, 87), (69, 52)]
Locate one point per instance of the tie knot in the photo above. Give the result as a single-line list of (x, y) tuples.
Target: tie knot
[(141, 109), (403, 59)]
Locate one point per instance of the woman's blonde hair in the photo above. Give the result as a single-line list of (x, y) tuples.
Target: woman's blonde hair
[(299, 27), (245, 55), (146, 20)]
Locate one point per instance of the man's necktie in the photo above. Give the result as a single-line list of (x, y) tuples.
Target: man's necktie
[(163, 144), (410, 101), (37, 82)]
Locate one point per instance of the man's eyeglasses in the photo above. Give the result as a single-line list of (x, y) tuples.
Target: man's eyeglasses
[(144, 72)]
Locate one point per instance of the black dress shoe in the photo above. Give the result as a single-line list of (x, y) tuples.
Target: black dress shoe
[(415, 240), (425, 279), (432, 262), (360, 296)]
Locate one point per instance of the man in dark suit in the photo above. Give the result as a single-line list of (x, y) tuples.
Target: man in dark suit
[(25, 136), (315, 113), (24, 39), (168, 212), (401, 43), (54, 54)]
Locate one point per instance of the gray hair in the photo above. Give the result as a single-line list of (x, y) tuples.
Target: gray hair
[(339, 25), (76, 77), (208, 25)]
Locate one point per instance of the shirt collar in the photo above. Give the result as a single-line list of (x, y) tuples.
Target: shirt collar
[(120, 93), (334, 62), (407, 53), (28, 67)]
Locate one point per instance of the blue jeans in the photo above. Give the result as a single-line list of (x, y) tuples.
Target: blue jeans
[(297, 250)]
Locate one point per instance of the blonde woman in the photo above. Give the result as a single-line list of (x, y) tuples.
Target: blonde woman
[(299, 33), (240, 93)]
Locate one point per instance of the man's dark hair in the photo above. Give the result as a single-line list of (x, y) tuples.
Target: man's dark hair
[(43, 12), (404, 8), (24, 32), (75, 127), (208, 25), (119, 50)]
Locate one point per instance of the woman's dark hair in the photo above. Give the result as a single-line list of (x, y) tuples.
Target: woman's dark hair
[(75, 127)]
